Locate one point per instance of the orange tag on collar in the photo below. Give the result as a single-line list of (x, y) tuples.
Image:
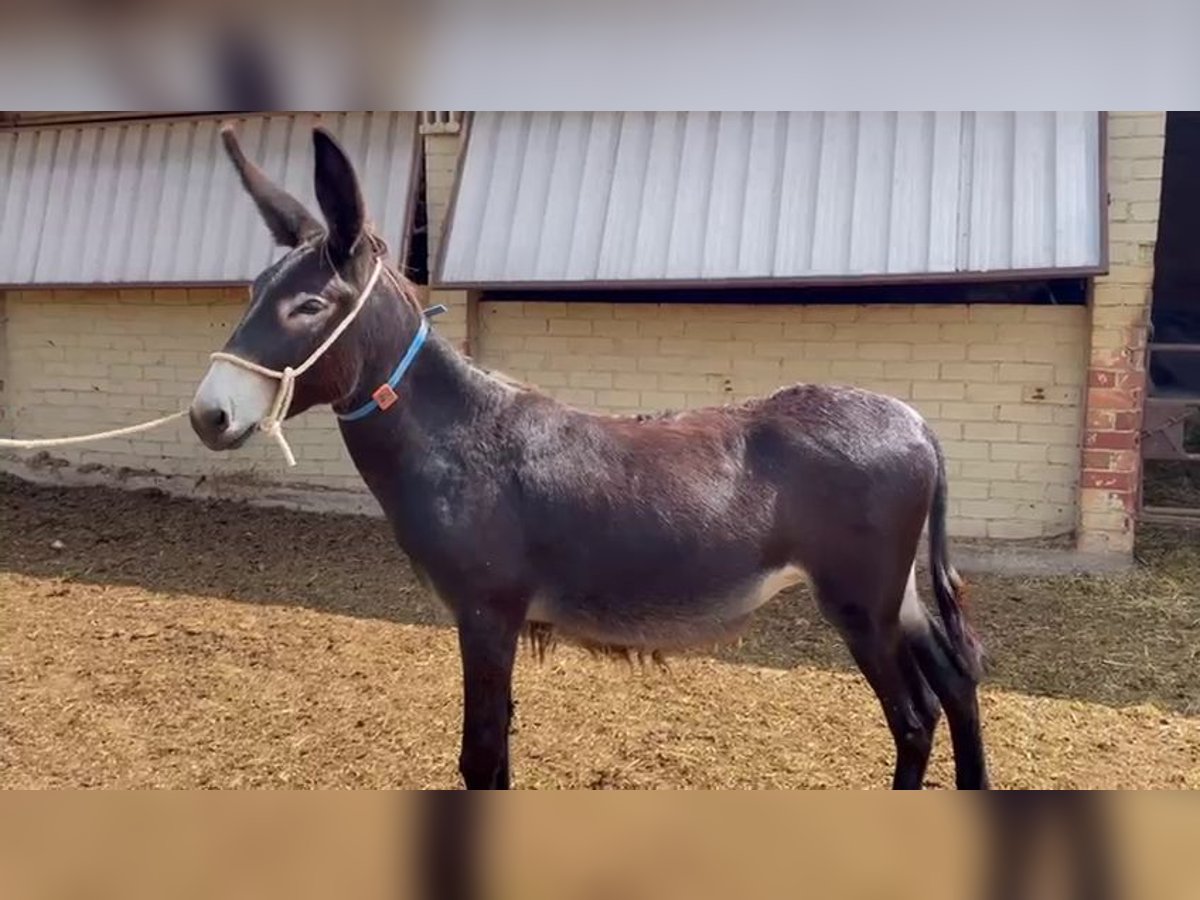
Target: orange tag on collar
[(384, 396)]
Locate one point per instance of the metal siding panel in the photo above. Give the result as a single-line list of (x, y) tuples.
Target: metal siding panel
[(1033, 190), (625, 197), (756, 249), (727, 199), (72, 232), (177, 165), (188, 261), (151, 195), (13, 219), (50, 240), (268, 142), (685, 253), (533, 187), (98, 232), (390, 191), (501, 195), (835, 194), (870, 219), (909, 213), (990, 240), (599, 167), (798, 194), (945, 178), (465, 232), (694, 196), (562, 192), (158, 202), (1077, 210), (658, 196)]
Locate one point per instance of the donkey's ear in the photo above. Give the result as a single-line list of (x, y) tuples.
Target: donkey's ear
[(290, 223), (338, 195)]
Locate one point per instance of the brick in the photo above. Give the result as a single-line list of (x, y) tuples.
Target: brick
[(927, 371), (618, 399), (655, 400), (758, 331), (939, 352), (971, 490), (1017, 490), (993, 393), (1002, 452), (1063, 455), (965, 450), (939, 313), (990, 431), (972, 412), (1024, 372), (590, 379), (884, 351), (1110, 440), (1111, 399), (1048, 435), (969, 372), (808, 331), (857, 369), (987, 509), (996, 353), (1108, 481), (1014, 529), (938, 390), (973, 333), (1030, 413), (568, 327)]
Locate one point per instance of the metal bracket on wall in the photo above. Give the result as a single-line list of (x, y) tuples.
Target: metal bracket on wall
[(441, 122)]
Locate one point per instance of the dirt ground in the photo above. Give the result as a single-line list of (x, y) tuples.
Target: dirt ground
[(147, 641)]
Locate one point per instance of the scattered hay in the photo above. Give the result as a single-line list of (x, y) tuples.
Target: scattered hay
[(182, 644)]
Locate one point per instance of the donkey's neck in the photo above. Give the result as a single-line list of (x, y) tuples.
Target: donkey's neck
[(439, 397)]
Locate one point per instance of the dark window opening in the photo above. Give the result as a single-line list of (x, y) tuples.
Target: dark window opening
[(1175, 313), (416, 263), (1046, 292)]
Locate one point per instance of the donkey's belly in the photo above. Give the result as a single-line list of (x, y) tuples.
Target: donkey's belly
[(643, 621)]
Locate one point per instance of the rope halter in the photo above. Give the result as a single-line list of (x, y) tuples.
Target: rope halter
[(272, 423)]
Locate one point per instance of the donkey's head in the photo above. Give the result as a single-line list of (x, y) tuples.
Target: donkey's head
[(296, 303)]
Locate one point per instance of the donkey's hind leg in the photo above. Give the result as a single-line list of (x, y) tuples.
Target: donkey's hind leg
[(958, 694), (868, 621)]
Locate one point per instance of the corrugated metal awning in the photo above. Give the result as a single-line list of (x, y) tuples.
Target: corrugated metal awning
[(157, 202), (568, 199)]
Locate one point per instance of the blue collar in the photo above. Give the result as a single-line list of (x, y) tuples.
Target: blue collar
[(385, 395)]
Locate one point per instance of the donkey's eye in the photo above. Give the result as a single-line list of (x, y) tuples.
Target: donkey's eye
[(310, 307)]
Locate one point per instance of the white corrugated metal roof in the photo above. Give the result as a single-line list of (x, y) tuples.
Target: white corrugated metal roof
[(572, 198), (159, 202)]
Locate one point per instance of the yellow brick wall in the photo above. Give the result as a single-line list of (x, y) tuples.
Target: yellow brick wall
[(441, 166), (1001, 384), (81, 361)]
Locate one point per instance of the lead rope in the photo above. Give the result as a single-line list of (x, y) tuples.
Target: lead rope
[(272, 424)]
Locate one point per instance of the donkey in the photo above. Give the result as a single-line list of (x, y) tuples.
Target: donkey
[(645, 534)]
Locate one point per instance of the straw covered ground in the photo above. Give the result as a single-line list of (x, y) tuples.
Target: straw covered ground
[(147, 641)]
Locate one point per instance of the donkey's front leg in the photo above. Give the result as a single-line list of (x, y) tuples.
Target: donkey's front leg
[(487, 639)]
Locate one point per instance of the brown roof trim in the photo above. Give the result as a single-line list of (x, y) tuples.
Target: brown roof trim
[(814, 281)]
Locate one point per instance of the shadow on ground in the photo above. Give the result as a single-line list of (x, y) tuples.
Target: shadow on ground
[(1118, 640)]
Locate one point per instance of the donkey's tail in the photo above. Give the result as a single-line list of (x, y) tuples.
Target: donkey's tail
[(965, 648)]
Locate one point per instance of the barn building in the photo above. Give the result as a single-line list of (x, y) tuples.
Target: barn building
[(992, 269)]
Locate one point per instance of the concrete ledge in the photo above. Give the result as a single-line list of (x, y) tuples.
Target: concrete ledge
[(55, 472)]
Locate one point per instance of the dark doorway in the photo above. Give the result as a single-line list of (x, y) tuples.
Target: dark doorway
[(1171, 428)]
